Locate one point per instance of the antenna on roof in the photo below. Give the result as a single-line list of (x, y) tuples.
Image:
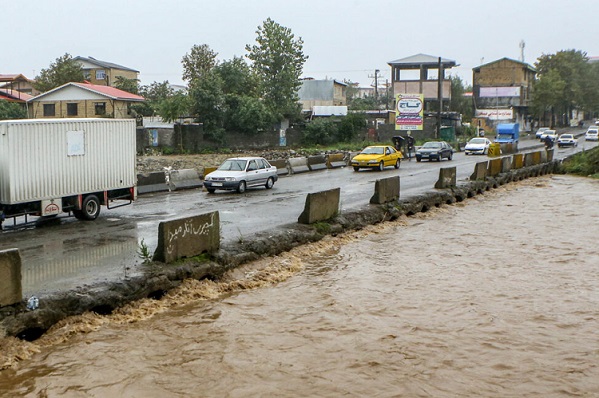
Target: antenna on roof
[(522, 45)]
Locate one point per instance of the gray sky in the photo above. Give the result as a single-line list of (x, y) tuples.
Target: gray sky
[(343, 39)]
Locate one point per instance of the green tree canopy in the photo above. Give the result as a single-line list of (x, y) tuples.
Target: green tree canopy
[(128, 85), (278, 61), (63, 70), (199, 61), (459, 103), (11, 110)]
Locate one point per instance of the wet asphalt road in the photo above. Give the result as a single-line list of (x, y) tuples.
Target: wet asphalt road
[(68, 253)]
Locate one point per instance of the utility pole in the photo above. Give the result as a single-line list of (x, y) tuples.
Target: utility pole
[(440, 97), (376, 83)]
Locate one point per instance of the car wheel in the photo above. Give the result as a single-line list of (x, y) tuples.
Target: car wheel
[(210, 190), (450, 156), (356, 168), (418, 159), (270, 182), (381, 166), (397, 164), (241, 187), (440, 158)]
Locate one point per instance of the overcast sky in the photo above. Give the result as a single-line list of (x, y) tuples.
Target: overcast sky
[(343, 39)]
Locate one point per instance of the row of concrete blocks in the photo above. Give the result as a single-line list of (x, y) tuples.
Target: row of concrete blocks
[(324, 205), (190, 178)]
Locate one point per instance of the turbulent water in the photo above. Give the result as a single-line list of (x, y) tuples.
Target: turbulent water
[(497, 296)]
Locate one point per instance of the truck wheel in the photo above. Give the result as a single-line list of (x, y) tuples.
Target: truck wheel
[(90, 208)]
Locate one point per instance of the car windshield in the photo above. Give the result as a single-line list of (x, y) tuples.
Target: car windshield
[(477, 141), (432, 145), (566, 136), (373, 150), (233, 165)]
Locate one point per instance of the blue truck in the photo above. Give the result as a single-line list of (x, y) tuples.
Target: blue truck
[(508, 133)]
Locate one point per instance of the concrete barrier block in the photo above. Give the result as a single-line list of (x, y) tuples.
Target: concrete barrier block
[(188, 237), (517, 161), (385, 190), (281, 165), (550, 155), (528, 159), (11, 290), (151, 182), (320, 206), (186, 178), (494, 167), (480, 171), (317, 162), (208, 170), (335, 160), (298, 165), (536, 158), (543, 156), (506, 164), (447, 178)]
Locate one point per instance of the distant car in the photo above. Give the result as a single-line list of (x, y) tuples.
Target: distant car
[(477, 146), (377, 157), (551, 133), (566, 140), (238, 174), (434, 150), (592, 134), (540, 132)]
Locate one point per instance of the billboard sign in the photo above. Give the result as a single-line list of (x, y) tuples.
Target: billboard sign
[(409, 111)]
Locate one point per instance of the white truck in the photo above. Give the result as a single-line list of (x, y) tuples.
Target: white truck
[(54, 166)]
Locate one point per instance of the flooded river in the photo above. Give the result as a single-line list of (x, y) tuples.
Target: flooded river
[(497, 296)]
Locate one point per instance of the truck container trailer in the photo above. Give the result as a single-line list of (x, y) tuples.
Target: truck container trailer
[(54, 166)]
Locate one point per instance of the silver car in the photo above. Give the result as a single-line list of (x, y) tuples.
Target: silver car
[(238, 174)]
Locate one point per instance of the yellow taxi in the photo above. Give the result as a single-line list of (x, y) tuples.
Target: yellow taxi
[(377, 157)]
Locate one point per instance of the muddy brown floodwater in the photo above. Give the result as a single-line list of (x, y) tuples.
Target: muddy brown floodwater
[(497, 296)]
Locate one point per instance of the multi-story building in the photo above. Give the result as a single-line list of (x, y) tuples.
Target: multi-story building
[(104, 73)]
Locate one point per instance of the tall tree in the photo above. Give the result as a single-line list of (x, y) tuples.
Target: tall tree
[(547, 94), (199, 61), (61, 71), (278, 61), (460, 103), (238, 78), (572, 68)]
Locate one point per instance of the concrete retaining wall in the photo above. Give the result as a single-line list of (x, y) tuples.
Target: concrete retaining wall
[(11, 291)]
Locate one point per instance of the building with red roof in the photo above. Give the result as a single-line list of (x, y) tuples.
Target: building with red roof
[(83, 100)]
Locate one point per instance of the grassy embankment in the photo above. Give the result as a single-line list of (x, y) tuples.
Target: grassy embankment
[(585, 163)]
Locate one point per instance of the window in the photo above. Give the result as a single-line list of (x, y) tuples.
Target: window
[(49, 110), (100, 108), (100, 74), (87, 75), (72, 109)]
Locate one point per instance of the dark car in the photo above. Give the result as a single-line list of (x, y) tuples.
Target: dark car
[(436, 150)]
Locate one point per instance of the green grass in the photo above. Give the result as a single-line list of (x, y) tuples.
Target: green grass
[(585, 163)]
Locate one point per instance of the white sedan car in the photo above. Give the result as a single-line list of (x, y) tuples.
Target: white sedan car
[(477, 146), (540, 132), (592, 134), (551, 133), (237, 174), (566, 140)]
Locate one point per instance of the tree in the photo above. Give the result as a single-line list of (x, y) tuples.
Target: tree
[(459, 103), (128, 85), (199, 61), (208, 101), (350, 126), (63, 70), (278, 61), (11, 110), (173, 107), (237, 77), (154, 94), (571, 67), (547, 94)]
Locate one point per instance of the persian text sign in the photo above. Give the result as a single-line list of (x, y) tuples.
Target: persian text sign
[(492, 92), (409, 111), (495, 114), (188, 237)]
